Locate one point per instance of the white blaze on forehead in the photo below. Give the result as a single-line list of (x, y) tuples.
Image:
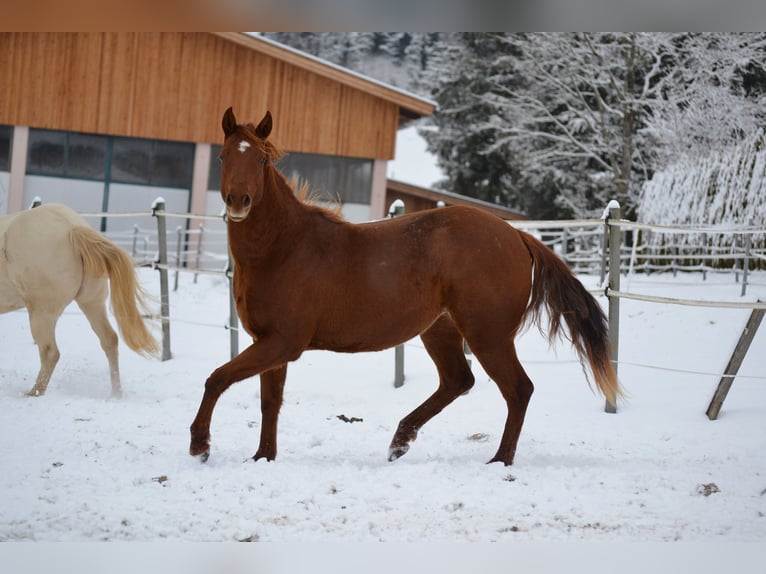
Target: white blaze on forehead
[(243, 145)]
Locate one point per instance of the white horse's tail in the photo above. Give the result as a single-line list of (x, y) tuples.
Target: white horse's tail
[(101, 257)]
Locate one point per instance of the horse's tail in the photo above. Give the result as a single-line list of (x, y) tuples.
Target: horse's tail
[(101, 257), (555, 287)]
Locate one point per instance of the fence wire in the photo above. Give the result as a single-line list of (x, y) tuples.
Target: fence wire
[(581, 243)]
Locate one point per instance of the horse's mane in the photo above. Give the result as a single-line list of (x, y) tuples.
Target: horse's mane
[(311, 198)]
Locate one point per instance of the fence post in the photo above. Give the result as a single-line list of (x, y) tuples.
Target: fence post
[(735, 362), (395, 210), (233, 317), (179, 242), (746, 264), (233, 326), (135, 239), (614, 285), (158, 211), (604, 244), (199, 252)]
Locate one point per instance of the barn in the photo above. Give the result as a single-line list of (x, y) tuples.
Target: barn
[(110, 121)]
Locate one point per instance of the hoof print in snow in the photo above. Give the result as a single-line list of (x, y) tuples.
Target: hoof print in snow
[(346, 419), (479, 437), (707, 489)]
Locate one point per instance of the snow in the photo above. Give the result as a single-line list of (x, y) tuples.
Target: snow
[(413, 163), (613, 204), (79, 466)]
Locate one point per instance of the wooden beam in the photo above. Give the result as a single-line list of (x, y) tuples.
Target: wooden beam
[(745, 339)]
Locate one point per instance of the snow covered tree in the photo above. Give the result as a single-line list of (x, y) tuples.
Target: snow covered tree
[(462, 134), (557, 124), (599, 113), (726, 186)]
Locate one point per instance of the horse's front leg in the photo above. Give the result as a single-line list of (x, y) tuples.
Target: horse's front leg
[(263, 355), (272, 390)]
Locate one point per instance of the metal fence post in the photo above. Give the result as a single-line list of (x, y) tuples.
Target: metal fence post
[(614, 285), (179, 243), (158, 211), (746, 263), (199, 252), (604, 247), (395, 210), (135, 239), (233, 317)]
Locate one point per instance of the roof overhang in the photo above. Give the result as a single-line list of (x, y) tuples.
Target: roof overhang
[(411, 107)]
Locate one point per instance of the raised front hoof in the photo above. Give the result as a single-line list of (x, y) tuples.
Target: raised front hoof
[(396, 452)]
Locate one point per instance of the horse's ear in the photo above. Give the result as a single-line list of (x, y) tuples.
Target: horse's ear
[(229, 122), (264, 128)]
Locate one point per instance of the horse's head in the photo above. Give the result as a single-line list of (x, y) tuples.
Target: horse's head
[(245, 158)]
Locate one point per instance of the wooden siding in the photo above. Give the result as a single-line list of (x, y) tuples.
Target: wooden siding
[(176, 86)]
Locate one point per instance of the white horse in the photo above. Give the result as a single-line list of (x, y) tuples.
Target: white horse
[(49, 256)]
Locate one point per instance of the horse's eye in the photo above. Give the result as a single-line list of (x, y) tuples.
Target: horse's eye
[(220, 159)]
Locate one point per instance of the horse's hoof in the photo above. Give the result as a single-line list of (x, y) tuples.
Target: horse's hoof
[(202, 455), (397, 452), (34, 393)]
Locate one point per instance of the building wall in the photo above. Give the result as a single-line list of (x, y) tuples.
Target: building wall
[(176, 86)]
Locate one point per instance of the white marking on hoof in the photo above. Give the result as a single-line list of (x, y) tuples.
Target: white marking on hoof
[(397, 452)]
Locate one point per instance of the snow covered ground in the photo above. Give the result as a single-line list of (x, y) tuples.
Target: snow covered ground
[(78, 466)]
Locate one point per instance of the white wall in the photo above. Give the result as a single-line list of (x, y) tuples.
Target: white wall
[(78, 194), (5, 182)]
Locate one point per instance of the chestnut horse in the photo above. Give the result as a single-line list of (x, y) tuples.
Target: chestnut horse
[(49, 256), (305, 279)]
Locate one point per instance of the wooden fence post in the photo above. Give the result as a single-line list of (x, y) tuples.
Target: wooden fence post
[(615, 238), (395, 210), (745, 339), (158, 211)]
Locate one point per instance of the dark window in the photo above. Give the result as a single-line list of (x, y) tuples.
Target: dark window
[(86, 156), (152, 162), (329, 176), (47, 152), (5, 147), (332, 176), (172, 164), (131, 160), (214, 174), (66, 154)]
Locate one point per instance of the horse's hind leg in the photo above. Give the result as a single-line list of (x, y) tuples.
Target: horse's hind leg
[(92, 301), (501, 363), (43, 326), (444, 344)]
